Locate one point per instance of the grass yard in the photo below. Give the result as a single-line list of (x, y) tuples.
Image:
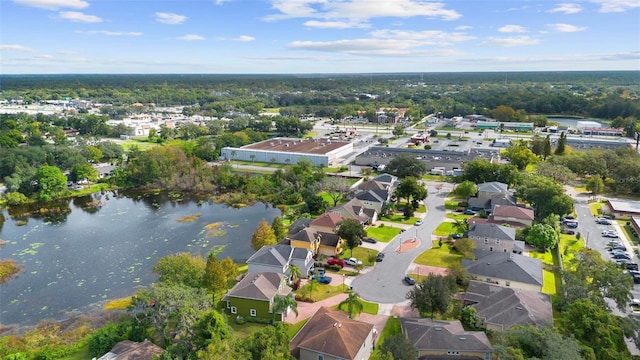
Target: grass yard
[(324, 291), (246, 329), (594, 207), (452, 204), (292, 329), (550, 280), (456, 216), (439, 256), (367, 307), (257, 163), (141, 144), (383, 234), (430, 177), (421, 208), (399, 218), (361, 254), (444, 229)]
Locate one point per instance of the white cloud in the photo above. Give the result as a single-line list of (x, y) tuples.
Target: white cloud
[(220, 2), (607, 6), (43, 57), (170, 18), (77, 16), (357, 12), (244, 38), (565, 27), (427, 37), (332, 24), (510, 41), (15, 47), (191, 37), (54, 4), (512, 29), (566, 8), (463, 27), (371, 46), (110, 33)]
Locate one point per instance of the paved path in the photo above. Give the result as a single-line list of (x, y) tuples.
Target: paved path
[(383, 284)]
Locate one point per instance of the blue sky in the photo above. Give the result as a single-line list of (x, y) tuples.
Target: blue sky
[(316, 36)]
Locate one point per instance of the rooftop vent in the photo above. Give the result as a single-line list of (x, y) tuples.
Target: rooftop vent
[(462, 338), (519, 308), (437, 329)]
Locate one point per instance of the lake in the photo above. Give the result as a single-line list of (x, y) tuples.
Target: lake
[(103, 247)]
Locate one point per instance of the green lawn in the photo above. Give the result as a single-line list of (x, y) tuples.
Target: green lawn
[(550, 280), (444, 229), (292, 329), (361, 254), (628, 231), (384, 234), (594, 207), (455, 216), (246, 329), (324, 291), (440, 257), (367, 307), (399, 218), (452, 204), (421, 208), (141, 144)]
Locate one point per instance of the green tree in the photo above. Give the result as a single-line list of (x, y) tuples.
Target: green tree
[(352, 232), (51, 182), (520, 155), (278, 228), (545, 195), (481, 171), (466, 189), (557, 172), (409, 188), (561, 146), (337, 188), (215, 277), (595, 185), (469, 317), (281, 304), (465, 247), (269, 343), (353, 304), (542, 236), (295, 273), (530, 342), (433, 294), (399, 346), (405, 165), (263, 236), (84, 171), (398, 130), (503, 113), (460, 226), (546, 152), (93, 153), (182, 268)]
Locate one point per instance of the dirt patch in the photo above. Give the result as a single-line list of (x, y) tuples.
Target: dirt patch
[(424, 270), (408, 244)]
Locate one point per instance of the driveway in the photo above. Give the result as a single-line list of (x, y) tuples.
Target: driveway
[(383, 284)]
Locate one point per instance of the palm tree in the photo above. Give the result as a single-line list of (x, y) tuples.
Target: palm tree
[(253, 157), (281, 303), (295, 273), (312, 285), (461, 226), (353, 303)]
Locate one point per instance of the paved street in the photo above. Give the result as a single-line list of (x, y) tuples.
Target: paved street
[(383, 284)]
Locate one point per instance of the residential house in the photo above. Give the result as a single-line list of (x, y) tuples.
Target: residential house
[(372, 199), (298, 225), (439, 339), (306, 238), (491, 194), (253, 295), (330, 244), (494, 237), (331, 335), (319, 236), (512, 214), (130, 350), (327, 222), (500, 308), (390, 181), (507, 269), (356, 210), (278, 258), (376, 193)]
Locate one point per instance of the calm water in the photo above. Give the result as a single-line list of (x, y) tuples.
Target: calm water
[(104, 247)]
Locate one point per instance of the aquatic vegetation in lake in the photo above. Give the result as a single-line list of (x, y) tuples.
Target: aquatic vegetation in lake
[(189, 218)]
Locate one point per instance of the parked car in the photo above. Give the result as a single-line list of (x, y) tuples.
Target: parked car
[(334, 261), (569, 231), (455, 236), (409, 280), (469, 212), (621, 256), (379, 257), (603, 221), (611, 234), (419, 222), (568, 217), (353, 262), (370, 240)]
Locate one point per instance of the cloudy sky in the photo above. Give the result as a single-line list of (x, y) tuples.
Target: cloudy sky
[(316, 36)]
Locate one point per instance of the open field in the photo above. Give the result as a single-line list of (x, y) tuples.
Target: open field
[(439, 256), (383, 234)]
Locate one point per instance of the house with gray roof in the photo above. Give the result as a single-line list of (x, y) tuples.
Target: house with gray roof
[(253, 295), (493, 237), (356, 210), (131, 350), (491, 194), (489, 189), (507, 269), (375, 199), (278, 258), (439, 339), (501, 308)]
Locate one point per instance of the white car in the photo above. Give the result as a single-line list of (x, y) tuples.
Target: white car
[(419, 222), (353, 261)]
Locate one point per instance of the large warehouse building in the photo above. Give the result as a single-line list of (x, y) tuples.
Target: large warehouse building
[(321, 152)]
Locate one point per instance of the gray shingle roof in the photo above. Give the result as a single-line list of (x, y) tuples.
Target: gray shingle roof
[(508, 306), (493, 186), (275, 255), (259, 286), (492, 231), (299, 225), (427, 334), (508, 266), (369, 195)]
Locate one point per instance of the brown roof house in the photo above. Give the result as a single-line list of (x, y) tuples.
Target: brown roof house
[(500, 308), (356, 210), (507, 269), (439, 340), (512, 214), (331, 335), (327, 222), (129, 350), (253, 295)]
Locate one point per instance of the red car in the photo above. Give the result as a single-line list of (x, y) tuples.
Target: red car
[(338, 262)]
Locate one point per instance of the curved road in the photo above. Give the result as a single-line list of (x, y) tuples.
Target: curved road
[(383, 284)]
